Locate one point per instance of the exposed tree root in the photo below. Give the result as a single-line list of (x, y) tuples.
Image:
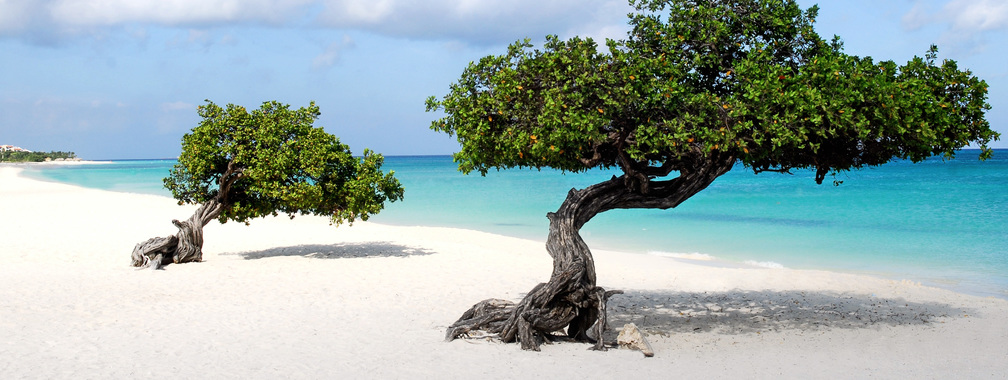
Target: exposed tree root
[(539, 316), (184, 247), (571, 299), (154, 252)]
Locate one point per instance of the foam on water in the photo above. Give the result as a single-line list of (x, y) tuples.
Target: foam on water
[(696, 256), (765, 264)]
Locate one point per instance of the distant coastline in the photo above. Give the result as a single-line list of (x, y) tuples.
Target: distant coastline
[(959, 155), (53, 162), (11, 153)]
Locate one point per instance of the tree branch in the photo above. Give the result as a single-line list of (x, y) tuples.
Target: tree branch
[(595, 159), (670, 193), (232, 175)]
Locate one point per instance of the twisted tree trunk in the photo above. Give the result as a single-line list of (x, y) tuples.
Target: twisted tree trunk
[(571, 299), (185, 246)]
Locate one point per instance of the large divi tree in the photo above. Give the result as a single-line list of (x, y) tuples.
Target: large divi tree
[(696, 87), (239, 165)]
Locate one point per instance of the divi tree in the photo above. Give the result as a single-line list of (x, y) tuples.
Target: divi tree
[(695, 88), (239, 165)]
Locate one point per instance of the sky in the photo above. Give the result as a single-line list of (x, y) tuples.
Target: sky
[(121, 79)]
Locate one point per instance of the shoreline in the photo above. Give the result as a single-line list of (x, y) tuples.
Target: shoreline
[(930, 278), (302, 299), (705, 260), (54, 163)]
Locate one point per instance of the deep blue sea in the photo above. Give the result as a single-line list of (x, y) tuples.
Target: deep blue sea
[(940, 222)]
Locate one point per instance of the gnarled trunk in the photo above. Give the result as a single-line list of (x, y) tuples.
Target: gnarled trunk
[(183, 247), (571, 298)]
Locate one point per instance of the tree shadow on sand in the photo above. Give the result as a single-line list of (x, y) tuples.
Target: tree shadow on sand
[(339, 251), (741, 312)]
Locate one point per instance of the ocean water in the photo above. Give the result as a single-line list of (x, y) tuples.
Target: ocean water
[(940, 222)]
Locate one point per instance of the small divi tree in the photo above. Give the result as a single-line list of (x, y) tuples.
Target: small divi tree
[(239, 165), (696, 87)]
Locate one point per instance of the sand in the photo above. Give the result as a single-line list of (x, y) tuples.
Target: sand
[(302, 299)]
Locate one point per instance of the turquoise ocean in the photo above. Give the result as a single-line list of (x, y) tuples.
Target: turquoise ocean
[(940, 222)]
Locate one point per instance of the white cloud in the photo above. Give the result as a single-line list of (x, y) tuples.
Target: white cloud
[(50, 20), (977, 15), (966, 22), (169, 12), (472, 21), (362, 11), (478, 20), (332, 53), (14, 14), (917, 17)]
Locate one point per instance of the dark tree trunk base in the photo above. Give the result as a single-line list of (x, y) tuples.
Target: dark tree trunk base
[(533, 322), (184, 247), (571, 298), (154, 253)]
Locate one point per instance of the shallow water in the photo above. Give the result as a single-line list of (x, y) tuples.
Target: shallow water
[(938, 222)]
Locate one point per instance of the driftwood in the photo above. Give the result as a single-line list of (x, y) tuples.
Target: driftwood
[(571, 299), (184, 247)]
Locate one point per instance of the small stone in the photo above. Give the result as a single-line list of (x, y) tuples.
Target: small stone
[(631, 337)]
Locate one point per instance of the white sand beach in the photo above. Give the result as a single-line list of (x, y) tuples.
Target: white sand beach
[(302, 299)]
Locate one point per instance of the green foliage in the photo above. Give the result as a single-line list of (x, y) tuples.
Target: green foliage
[(20, 156), (273, 160), (694, 79)]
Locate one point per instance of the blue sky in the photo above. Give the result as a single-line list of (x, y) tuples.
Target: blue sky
[(113, 79)]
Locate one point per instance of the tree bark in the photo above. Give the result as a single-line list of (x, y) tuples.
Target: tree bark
[(185, 246), (571, 298)]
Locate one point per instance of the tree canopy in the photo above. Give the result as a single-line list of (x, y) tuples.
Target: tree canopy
[(273, 160), (696, 87), (746, 79), (239, 165)]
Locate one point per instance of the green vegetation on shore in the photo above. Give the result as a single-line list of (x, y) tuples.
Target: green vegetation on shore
[(15, 156)]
